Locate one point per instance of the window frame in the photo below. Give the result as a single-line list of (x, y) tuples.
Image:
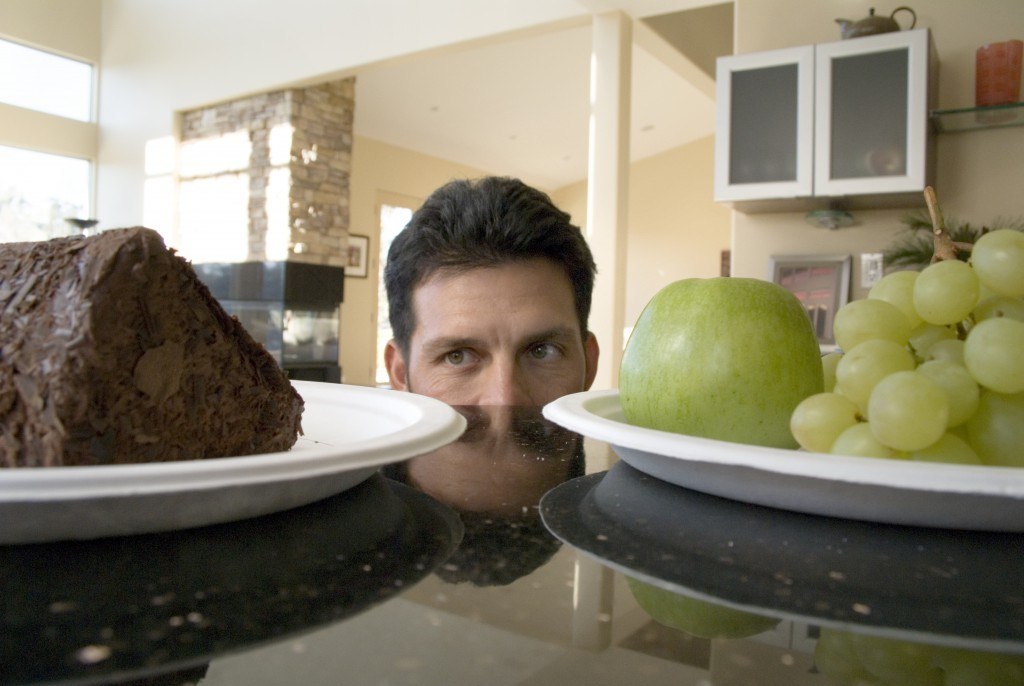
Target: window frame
[(52, 134), (92, 110)]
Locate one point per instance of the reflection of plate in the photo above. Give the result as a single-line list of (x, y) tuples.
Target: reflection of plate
[(932, 585), (123, 608), (349, 431), (891, 491)]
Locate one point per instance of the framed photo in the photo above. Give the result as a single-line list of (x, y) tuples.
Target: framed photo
[(821, 283), (357, 256)]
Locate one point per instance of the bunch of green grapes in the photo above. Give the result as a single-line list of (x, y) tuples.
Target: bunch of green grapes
[(932, 365)]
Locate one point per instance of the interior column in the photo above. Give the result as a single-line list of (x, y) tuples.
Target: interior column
[(608, 184)]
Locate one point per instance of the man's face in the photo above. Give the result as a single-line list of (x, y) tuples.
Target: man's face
[(504, 335)]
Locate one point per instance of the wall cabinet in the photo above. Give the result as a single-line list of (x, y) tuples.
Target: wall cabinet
[(844, 123)]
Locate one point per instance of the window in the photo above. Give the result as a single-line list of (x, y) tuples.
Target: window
[(45, 82), (213, 200), (392, 220), (158, 189), (278, 240), (213, 215), (38, 192), (199, 195)]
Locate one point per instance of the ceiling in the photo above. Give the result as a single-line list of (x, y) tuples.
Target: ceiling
[(518, 105)]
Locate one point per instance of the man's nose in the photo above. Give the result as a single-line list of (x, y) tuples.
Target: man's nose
[(505, 385)]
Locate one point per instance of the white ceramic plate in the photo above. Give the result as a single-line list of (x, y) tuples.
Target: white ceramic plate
[(878, 490), (349, 432)]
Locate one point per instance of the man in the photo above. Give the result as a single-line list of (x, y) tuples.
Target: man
[(489, 290)]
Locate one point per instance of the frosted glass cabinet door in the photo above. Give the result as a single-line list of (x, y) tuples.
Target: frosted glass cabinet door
[(872, 114), (764, 125)]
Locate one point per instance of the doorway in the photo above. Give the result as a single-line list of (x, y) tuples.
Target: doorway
[(394, 215)]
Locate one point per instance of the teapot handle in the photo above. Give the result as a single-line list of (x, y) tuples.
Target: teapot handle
[(913, 16)]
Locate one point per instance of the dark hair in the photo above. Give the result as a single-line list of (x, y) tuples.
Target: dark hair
[(481, 223)]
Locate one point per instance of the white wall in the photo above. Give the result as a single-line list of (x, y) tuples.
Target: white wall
[(979, 175), (159, 57), (71, 28), (68, 29), (380, 172), (675, 230), (163, 56)]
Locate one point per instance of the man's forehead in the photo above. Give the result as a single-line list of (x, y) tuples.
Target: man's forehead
[(526, 278), (456, 271), (534, 295)]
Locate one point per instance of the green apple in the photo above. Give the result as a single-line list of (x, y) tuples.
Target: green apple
[(725, 358), (697, 617)]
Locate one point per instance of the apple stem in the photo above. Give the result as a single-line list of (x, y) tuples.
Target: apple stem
[(945, 247)]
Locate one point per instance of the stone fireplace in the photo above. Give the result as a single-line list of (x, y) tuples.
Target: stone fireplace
[(298, 170), (263, 213)]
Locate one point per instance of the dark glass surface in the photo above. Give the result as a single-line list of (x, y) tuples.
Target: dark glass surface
[(954, 587), (763, 129), (869, 115), (289, 307), (520, 554), (141, 606), (294, 285)]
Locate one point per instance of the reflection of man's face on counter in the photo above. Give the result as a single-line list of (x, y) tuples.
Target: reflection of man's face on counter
[(501, 335), (494, 477), (505, 461)]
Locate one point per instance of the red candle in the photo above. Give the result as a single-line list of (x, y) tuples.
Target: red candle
[(997, 79)]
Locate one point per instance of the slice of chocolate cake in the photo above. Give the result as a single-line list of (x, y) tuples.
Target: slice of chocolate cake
[(112, 351)]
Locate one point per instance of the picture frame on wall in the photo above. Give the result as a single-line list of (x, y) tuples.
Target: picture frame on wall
[(357, 256), (821, 283)]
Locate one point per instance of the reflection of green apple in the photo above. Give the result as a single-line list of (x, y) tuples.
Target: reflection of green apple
[(850, 659), (726, 358), (854, 659), (697, 617), (973, 668)]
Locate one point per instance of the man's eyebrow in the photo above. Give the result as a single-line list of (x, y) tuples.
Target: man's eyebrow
[(451, 343)]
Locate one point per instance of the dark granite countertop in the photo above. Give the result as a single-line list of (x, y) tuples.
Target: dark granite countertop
[(522, 554)]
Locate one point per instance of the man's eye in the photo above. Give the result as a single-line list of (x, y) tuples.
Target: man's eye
[(455, 357), (543, 351)]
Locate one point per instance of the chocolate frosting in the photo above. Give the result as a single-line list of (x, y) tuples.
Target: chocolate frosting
[(112, 351)]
